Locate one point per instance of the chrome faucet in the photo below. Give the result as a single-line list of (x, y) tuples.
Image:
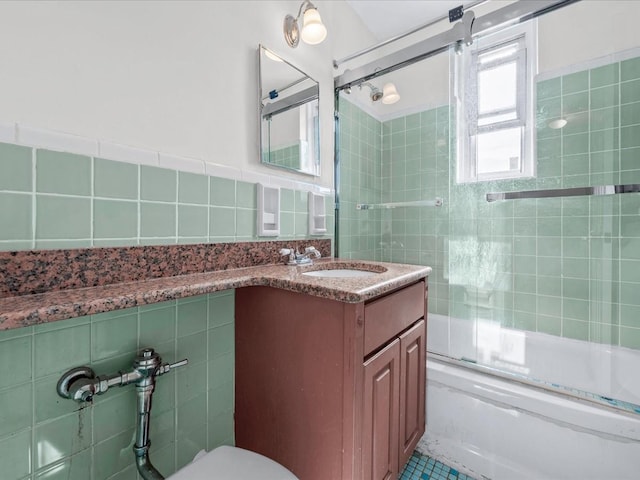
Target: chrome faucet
[(297, 258), (81, 384)]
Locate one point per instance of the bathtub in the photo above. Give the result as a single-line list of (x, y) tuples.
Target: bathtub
[(496, 425)]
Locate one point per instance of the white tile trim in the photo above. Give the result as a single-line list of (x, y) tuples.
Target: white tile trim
[(590, 64), (125, 153), (8, 132), (64, 142), (43, 138), (181, 164)]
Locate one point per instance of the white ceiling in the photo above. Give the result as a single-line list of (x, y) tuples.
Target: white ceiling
[(389, 18)]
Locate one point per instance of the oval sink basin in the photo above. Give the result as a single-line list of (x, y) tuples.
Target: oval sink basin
[(340, 273)]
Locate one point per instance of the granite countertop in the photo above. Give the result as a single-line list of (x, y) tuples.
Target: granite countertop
[(27, 310)]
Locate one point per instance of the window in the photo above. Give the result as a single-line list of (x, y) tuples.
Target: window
[(494, 95)]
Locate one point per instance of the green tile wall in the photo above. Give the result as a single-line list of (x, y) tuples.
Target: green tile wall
[(45, 436), (60, 200), (288, 157), (564, 267), (57, 200)]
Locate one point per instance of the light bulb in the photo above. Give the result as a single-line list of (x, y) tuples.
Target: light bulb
[(390, 94), (313, 30), (557, 123)]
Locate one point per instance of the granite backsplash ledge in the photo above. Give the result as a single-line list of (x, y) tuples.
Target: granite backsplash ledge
[(38, 271)]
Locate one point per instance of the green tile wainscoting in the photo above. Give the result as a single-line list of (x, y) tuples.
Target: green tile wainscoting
[(51, 199), (43, 436), (62, 200), (562, 266)]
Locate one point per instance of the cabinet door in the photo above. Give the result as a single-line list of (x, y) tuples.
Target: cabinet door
[(381, 414), (412, 389)]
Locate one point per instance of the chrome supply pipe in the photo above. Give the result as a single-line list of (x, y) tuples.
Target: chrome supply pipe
[(81, 384)]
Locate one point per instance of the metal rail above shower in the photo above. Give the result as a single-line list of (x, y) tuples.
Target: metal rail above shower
[(565, 192), (436, 202)]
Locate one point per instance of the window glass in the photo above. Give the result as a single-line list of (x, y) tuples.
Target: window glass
[(497, 88), (499, 151)]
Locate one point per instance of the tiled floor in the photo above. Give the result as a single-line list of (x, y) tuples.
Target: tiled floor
[(421, 467)]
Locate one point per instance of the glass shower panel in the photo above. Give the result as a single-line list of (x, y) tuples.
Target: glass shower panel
[(547, 288)]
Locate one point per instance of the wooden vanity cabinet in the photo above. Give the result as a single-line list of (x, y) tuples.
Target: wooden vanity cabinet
[(331, 390)]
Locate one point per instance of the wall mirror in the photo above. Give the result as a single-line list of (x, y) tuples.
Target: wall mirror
[(289, 118)]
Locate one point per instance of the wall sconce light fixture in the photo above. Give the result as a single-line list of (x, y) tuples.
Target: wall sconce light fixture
[(313, 30)]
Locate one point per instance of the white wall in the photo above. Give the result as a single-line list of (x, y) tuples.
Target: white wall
[(178, 77), (586, 30)]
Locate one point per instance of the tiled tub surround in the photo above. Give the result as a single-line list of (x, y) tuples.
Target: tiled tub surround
[(565, 267), (121, 204)]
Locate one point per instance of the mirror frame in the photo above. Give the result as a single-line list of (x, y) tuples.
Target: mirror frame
[(287, 103)]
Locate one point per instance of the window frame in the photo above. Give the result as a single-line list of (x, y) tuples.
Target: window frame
[(465, 89)]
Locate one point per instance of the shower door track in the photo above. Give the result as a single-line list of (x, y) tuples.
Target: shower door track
[(462, 31), (620, 406)]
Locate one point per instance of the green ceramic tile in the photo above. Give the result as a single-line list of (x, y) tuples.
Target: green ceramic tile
[(630, 92), (60, 350), (192, 315), (551, 286), (574, 103), (115, 336), (575, 82), (190, 416), (15, 361), (575, 288), (48, 404), (222, 222), (604, 97), (76, 467), (287, 200), (605, 75), (189, 382), (605, 118), (605, 140), (15, 216), (115, 219), (193, 221), (113, 455), (193, 188), (301, 201), (157, 219), (62, 217), (193, 347), (15, 461), (630, 69), (223, 192), (575, 144), (630, 337), (301, 224), (157, 326), (157, 184), (62, 437), (113, 414), (246, 195), (630, 137), (64, 173), (221, 340), (16, 167), (549, 325), (245, 223), (630, 114), (221, 372), (196, 441), (164, 460), (287, 225), (15, 409), (221, 309), (115, 179)]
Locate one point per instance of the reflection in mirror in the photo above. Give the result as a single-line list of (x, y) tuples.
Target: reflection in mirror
[(289, 119)]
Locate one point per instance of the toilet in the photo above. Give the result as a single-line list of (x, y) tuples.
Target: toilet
[(232, 463)]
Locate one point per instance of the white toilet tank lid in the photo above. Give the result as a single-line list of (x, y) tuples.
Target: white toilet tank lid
[(231, 463)]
